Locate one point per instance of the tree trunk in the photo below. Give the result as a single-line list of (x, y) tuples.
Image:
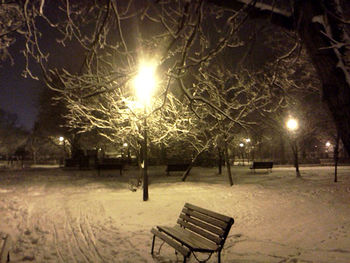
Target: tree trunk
[(187, 172), (295, 151), (228, 164), (145, 160), (139, 154), (336, 157), (35, 157), (282, 153), (220, 161)]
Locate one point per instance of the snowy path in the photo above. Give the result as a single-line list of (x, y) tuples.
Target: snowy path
[(73, 216)]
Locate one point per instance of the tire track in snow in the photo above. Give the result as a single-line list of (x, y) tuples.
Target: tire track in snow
[(68, 239), (77, 242), (83, 226), (56, 242), (91, 236)]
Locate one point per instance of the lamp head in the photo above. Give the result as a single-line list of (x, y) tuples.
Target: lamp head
[(145, 82), (292, 124)]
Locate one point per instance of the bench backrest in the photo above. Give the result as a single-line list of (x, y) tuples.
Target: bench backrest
[(206, 223), (263, 164)]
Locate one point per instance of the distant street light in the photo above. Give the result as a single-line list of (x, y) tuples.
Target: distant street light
[(241, 145), (328, 144), (292, 126), (144, 84)]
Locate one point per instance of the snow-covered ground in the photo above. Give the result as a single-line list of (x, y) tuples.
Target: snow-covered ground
[(75, 216)]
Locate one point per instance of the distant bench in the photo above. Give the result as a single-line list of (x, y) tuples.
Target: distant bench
[(5, 245), (197, 230), (262, 165), (110, 164), (177, 167)]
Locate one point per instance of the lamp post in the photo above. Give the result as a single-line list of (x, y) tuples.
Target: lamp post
[(144, 84), (292, 126), (247, 140), (241, 145), (62, 142)]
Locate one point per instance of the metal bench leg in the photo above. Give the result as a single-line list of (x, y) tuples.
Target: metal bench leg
[(185, 258), (154, 237), (219, 256)]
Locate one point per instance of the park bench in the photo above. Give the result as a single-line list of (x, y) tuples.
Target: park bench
[(110, 164), (197, 230), (176, 167), (5, 245), (262, 165)]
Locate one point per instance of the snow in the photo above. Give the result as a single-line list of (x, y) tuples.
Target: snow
[(56, 215), (268, 7), (318, 19)]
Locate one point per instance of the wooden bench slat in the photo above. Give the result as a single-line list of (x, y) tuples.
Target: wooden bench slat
[(183, 250), (212, 229), (5, 250), (209, 213), (191, 240), (213, 221), (200, 231)]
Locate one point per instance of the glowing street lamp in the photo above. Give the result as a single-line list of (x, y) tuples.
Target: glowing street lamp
[(292, 124), (144, 84)]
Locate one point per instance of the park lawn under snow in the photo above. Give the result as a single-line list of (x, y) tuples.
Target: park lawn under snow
[(56, 215)]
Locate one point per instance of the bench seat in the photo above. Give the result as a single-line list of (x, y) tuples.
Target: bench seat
[(193, 241)]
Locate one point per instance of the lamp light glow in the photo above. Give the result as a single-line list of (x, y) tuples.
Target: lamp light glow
[(145, 82), (292, 124)]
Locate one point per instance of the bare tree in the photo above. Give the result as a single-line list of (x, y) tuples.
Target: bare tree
[(12, 136), (324, 29)]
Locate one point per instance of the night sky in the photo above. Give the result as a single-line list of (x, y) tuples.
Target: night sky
[(18, 94)]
